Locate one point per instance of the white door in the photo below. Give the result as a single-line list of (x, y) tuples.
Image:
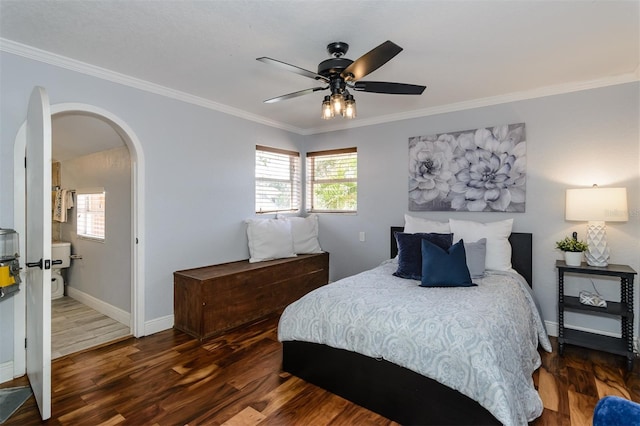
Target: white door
[(38, 249)]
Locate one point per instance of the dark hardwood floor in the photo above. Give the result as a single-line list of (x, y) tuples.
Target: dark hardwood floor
[(170, 378)]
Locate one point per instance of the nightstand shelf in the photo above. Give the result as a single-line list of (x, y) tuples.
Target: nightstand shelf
[(595, 341), (613, 308), (623, 310)]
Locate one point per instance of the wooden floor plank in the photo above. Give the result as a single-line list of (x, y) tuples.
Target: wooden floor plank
[(356, 415), (276, 399), (632, 383), (552, 418), (608, 383), (548, 390), (581, 408), (170, 378), (246, 417), (242, 398), (581, 381), (312, 406)]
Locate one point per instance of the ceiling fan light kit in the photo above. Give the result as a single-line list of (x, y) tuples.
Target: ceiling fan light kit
[(341, 74), (339, 104)]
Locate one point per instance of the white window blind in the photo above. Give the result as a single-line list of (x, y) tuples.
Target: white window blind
[(332, 180), (277, 180), (90, 208)]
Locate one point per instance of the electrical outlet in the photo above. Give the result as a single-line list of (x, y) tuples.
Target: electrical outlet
[(362, 236)]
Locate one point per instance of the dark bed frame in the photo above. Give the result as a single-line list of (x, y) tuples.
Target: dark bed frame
[(395, 392)]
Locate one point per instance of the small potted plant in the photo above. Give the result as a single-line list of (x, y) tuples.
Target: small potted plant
[(572, 249)]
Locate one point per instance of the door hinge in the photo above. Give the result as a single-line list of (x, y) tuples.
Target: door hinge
[(25, 162), (25, 343)]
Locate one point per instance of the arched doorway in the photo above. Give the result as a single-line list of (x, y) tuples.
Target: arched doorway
[(137, 218)]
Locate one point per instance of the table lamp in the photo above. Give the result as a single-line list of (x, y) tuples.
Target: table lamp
[(597, 206)]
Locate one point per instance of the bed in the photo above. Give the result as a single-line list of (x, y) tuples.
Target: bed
[(407, 388)]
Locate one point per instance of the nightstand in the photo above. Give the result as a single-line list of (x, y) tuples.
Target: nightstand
[(623, 310)]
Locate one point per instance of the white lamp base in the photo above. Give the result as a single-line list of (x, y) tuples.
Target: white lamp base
[(598, 253)]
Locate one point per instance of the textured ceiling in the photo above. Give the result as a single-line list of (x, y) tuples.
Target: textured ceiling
[(465, 52), (75, 135)]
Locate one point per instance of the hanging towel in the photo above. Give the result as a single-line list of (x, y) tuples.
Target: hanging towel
[(57, 206), (63, 202)]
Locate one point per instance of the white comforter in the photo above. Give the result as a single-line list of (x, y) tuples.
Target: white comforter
[(481, 341)]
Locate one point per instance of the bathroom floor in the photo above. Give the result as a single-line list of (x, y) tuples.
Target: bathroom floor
[(75, 327)]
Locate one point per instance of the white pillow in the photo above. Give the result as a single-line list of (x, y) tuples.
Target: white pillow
[(417, 224), (305, 234), (269, 239), (497, 234)]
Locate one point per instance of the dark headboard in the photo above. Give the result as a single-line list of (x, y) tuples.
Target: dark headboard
[(521, 252)]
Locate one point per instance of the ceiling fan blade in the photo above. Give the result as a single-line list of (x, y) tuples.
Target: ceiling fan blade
[(386, 87), (292, 68), (295, 94), (371, 61)]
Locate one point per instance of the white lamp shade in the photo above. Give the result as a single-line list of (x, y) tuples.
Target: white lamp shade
[(597, 204)]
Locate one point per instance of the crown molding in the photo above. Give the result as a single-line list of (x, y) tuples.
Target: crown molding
[(484, 102), (40, 55), (29, 52)]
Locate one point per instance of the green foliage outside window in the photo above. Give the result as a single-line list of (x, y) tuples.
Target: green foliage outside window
[(333, 182), (336, 196)]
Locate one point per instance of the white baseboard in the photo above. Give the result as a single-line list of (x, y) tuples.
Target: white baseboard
[(157, 325), (6, 371), (552, 328), (150, 327), (104, 308)]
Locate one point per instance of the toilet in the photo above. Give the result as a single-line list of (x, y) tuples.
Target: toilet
[(60, 250)]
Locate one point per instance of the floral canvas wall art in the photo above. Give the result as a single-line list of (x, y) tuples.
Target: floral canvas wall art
[(481, 170)]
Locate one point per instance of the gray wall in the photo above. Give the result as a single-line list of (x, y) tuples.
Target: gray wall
[(199, 176), (104, 271), (573, 140), (199, 183)]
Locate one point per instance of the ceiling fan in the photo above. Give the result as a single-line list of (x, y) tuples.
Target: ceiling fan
[(341, 74)]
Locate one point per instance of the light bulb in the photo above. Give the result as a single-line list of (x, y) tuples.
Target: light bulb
[(349, 107), (327, 111), (338, 103)]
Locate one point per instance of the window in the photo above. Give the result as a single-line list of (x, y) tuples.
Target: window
[(90, 208), (332, 180), (277, 180)]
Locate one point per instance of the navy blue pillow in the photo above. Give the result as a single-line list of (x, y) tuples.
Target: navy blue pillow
[(442, 268), (410, 252)]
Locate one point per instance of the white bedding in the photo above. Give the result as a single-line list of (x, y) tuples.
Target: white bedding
[(481, 341)]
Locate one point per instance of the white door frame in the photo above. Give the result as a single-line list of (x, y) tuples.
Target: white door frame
[(137, 323)]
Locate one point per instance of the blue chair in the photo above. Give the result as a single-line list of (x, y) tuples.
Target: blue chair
[(616, 411)]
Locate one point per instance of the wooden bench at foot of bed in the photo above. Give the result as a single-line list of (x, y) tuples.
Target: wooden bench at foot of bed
[(210, 300)]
